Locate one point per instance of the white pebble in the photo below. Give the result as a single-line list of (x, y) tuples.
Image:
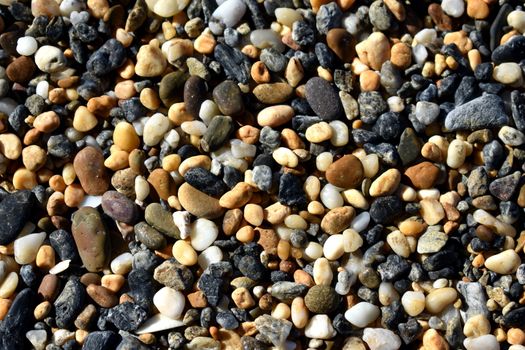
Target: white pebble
[(121, 265), (323, 161), (264, 38), (413, 302), (511, 136), (77, 17), (230, 12), (387, 293), (167, 8), (362, 314), (331, 197), (60, 267), (158, 323), (333, 247), (340, 135), (172, 137), (313, 251), (155, 128), (425, 36), (37, 338), (351, 24), (169, 302), (207, 111), (454, 8), (381, 339), (395, 104), (141, 188), (484, 342), (26, 248), (26, 45), (516, 19), (420, 53), (42, 89), (68, 6), (242, 149), (50, 59), (360, 222), (456, 154), (508, 73), (203, 233), (182, 220), (194, 127), (320, 327), (209, 256)]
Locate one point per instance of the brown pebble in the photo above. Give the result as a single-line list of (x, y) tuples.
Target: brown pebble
[(90, 170), (102, 296), (197, 299), (49, 287), (199, 203), (47, 122), (162, 182), (346, 172), (423, 175), (342, 43), (21, 70), (440, 18), (84, 319)]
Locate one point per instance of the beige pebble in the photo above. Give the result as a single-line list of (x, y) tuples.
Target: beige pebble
[(73, 195), (125, 137), (337, 219), (352, 240), (113, 282), (386, 184), (456, 153), (432, 340), (45, 257), (431, 211), (238, 196), (322, 272), (184, 253), (117, 160), (299, 313), (24, 179), (413, 302), (34, 157), (46, 122), (503, 263), (9, 284), (200, 161), (242, 298), (476, 326), (355, 198), (10, 146), (374, 51), (254, 214), (294, 72), (438, 299), (275, 115), (319, 132), (312, 187), (285, 157), (42, 310), (150, 61), (84, 120), (399, 243)]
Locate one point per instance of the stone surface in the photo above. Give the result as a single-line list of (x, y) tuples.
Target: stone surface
[(91, 238)]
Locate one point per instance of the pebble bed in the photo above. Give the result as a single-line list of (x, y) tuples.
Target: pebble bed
[(277, 174)]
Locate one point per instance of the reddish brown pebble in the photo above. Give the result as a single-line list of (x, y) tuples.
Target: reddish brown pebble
[(90, 170)]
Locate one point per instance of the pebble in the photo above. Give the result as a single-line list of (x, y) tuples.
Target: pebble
[(381, 339), (275, 115), (362, 314), (90, 238), (90, 170), (503, 263), (461, 118), (323, 99), (440, 298), (169, 302), (487, 342), (26, 248), (50, 59), (319, 327), (338, 172), (230, 12)]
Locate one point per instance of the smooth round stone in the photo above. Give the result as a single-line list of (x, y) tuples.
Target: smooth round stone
[(438, 299), (320, 327), (323, 99), (210, 255), (485, 342), (199, 203), (504, 263), (508, 73), (362, 314), (121, 265), (195, 127), (26, 248), (322, 272), (387, 293), (331, 197), (274, 116), (119, 207), (453, 8), (203, 233), (516, 19), (90, 238), (91, 172), (511, 136), (50, 59), (156, 126), (230, 12), (169, 302), (381, 339), (167, 8), (360, 222), (184, 253), (425, 36), (386, 184), (413, 302), (287, 16), (340, 135), (333, 247), (125, 137), (26, 45), (352, 241), (346, 172), (9, 284), (285, 157)]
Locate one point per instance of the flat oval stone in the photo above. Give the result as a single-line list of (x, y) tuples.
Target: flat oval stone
[(273, 93), (161, 219), (194, 95), (90, 170), (148, 236), (91, 238), (346, 172), (323, 99), (228, 98), (199, 203), (119, 207)]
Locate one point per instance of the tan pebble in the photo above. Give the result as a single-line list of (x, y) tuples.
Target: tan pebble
[(399, 243), (474, 58), (242, 298), (291, 140), (49, 287), (150, 61), (162, 182), (285, 157), (294, 72), (316, 4), (245, 234), (199, 203), (369, 81), (47, 122), (10, 146), (56, 182), (73, 195), (438, 299), (101, 105), (276, 213), (299, 313), (431, 211), (312, 187), (275, 115), (125, 137), (125, 89), (34, 157), (322, 272), (253, 213), (374, 51), (386, 184), (476, 326), (205, 43), (355, 198), (171, 162), (102, 296), (341, 43), (200, 161), (345, 4), (302, 277), (477, 9), (515, 336), (281, 311), (397, 9), (319, 132), (55, 204), (45, 257), (412, 227), (184, 253), (432, 340), (113, 282), (401, 55), (150, 99), (117, 160), (337, 219), (231, 221), (461, 39), (81, 335), (84, 120), (260, 73), (352, 241), (238, 196), (503, 263), (42, 310), (24, 179), (180, 49), (98, 7), (9, 284)]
